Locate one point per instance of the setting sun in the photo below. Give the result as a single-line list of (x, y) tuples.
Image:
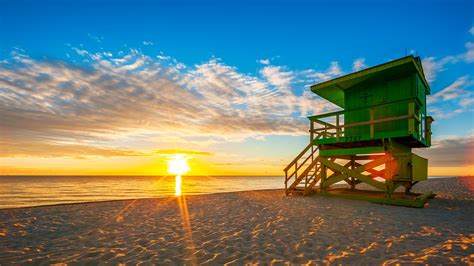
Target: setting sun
[(178, 166)]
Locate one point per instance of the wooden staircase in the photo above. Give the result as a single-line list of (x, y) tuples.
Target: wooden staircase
[(303, 173)]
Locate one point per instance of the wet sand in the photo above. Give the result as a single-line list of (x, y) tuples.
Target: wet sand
[(246, 227)]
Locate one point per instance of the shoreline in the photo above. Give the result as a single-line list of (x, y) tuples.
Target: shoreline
[(259, 226), (134, 199), (168, 196)]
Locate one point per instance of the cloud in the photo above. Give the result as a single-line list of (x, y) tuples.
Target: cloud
[(32, 148), (277, 76), (333, 71), (106, 99), (50, 149), (147, 43), (189, 152), (264, 61), (432, 66), (468, 56), (95, 38), (471, 31), (454, 91), (358, 64), (452, 151), (456, 98)]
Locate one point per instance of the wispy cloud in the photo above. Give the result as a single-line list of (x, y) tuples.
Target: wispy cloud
[(454, 91), (358, 64), (189, 152), (32, 148), (450, 151), (468, 56), (106, 98), (95, 38), (432, 66), (333, 71), (454, 99), (56, 108), (148, 43)]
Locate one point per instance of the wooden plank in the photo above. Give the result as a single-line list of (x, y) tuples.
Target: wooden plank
[(418, 202), (368, 157), (299, 178), (334, 179), (376, 162), (323, 175), (374, 173), (323, 123), (356, 172), (351, 151), (358, 157), (403, 117)]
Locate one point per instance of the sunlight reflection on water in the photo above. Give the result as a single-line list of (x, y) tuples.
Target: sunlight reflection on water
[(178, 186)]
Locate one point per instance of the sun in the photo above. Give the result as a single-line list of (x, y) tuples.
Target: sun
[(178, 164)]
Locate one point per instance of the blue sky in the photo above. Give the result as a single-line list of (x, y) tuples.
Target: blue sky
[(284, 45), (301, 34)]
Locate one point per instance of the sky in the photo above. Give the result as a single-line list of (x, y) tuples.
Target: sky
[(115, 88)]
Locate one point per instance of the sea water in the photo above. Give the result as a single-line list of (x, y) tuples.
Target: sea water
[(24, 191)]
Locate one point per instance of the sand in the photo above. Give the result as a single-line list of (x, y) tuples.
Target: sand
[(246, 227)]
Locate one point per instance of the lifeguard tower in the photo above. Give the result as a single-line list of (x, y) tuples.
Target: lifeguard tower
[(370, 141)]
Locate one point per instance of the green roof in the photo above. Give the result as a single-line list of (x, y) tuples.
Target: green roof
[(333, 90)]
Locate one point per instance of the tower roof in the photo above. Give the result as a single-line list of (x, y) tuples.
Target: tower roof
[(333, 90)]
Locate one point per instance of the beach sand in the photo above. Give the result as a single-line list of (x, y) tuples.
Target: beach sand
[(245, 227)]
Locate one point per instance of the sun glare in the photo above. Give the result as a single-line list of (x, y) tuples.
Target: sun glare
[(178, 166)]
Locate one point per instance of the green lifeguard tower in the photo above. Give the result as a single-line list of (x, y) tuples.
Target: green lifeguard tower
[(370, 141)]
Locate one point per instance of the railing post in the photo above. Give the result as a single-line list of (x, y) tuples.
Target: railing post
[(372, 123), (311, 139), (352, 167), (323, 176), (305, 181), (428, 122), (296, 170), (337, 128)]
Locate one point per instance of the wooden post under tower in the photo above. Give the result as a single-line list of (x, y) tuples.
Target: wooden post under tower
[(369, 143)]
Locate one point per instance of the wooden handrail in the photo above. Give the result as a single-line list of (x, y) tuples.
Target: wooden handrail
[(341, 112), (297, 166), (298, 157), (366, 123), (300, 165), (305, 173), (310, 166), (323, 123)]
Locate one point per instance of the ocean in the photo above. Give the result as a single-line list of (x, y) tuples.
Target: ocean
[(25, 191)]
